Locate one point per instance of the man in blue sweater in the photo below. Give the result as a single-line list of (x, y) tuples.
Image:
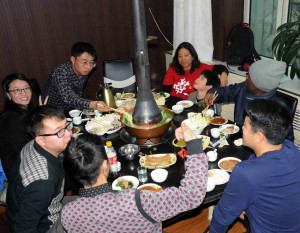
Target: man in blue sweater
[(266, 187), (261, 83)]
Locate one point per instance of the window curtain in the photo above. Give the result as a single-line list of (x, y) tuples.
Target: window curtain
[(193, 23), (263, 24)]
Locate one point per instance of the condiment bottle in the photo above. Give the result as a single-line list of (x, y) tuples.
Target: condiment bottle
[(112, 157)]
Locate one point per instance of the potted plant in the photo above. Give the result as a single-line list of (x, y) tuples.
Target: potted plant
[(286, 46)]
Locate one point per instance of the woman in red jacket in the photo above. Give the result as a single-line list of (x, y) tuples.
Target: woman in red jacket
[(185, 69)]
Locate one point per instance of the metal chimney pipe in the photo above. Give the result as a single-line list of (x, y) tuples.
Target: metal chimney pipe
[(146, 110)]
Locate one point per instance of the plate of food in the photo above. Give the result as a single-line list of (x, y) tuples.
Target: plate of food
[(125, 182), (89, 112), (218, 121), (229, 129), (158, 160), (75, 130), (161, 94), (185, 103), (106, 124), (217, 176), (228, 163), (205, 140), (126, 96), (210, 185), (150, 186)]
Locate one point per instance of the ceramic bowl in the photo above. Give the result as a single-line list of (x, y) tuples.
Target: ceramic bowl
[(177, 109), (159, 175), (74, 113)]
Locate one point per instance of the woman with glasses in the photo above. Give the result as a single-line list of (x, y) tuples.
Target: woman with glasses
[(19, 101)]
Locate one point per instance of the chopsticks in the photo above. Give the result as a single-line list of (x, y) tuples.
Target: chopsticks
[(214, 98), (120, 111), (101, 123)]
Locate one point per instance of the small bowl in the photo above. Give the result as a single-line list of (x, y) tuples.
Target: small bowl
[(119, 103), (159, 175), (74, 113), (177, 109), (129, 151)]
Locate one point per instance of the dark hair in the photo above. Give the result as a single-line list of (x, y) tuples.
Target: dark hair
[(212, 78), (175, 64), (82, 47), (9, 105), (269, 117), (41, 113), (84, 157)]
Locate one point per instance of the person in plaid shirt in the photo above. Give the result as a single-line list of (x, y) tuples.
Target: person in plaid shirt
[(65, 84)]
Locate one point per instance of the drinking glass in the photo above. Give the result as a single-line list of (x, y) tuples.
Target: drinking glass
[(142, 174)]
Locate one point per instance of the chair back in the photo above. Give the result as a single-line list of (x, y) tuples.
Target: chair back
[(291, 101), (120, 74)]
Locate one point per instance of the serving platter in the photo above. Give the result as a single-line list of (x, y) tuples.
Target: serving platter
[(185, 103), (143, 161), (133, 179), (227, 159), (218, 176), (155, 186), (231, 129), (218, 120), (126, 96)]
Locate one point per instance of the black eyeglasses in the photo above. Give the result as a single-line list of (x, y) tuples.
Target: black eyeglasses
[(60, 133), (87, 63), (19, 91)]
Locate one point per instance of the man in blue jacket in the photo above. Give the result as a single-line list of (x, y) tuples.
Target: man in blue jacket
[(261, 83), (266, 187)]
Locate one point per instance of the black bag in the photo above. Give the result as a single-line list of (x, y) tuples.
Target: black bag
[(239, 48)]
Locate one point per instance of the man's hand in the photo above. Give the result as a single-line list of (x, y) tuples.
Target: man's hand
[(208, 98), (100, 105), (45, 102), (242, 216), (184, 133)]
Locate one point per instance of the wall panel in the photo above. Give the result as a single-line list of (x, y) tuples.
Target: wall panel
[(37, 35)]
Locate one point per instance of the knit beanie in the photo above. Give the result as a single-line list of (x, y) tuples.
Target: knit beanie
[(266, 74)]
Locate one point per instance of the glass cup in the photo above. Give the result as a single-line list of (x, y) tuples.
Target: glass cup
[(142, 174)]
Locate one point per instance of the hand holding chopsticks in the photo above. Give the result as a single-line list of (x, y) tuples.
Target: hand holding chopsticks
[(209, 102)]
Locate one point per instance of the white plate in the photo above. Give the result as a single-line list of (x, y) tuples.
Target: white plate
[(227, 158), (173, 159), (235, 129), (210, 185), (165, 95), (150, 184), (218, 124), (127, 96), (133, 179), (218, 176), (113, 131), (185, 103), (75, 134)]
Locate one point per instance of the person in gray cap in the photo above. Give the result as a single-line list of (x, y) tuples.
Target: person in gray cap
[(261, 83)]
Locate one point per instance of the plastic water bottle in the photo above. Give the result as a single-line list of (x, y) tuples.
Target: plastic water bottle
[(112, 157)]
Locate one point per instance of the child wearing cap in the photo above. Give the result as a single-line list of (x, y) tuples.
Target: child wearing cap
[(207, 80)]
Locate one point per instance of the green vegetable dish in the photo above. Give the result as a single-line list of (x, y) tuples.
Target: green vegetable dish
[(124, 184), (165, 115)]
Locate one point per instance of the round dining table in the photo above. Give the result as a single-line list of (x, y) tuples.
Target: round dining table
[(176, 172)]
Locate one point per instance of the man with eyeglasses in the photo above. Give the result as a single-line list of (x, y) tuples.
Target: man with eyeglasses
[(36, 187), (65, 84)]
